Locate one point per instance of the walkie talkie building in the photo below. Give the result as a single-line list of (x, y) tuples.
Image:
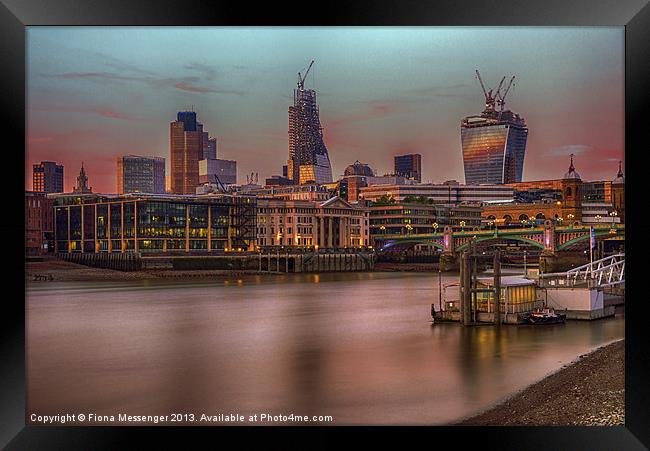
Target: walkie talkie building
[(494, 142)]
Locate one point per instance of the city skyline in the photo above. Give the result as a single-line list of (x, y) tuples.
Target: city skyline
[(98, 93)]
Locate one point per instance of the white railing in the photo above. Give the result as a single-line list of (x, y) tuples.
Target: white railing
[(601, 273)]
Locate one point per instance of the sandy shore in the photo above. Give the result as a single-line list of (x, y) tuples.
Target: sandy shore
[(59, 270), (589, 391)]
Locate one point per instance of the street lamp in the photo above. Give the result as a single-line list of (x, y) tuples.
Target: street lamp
[(613, 215), (570, 216), (409, 227), (462, 226), (383, 229), (435, 226), (598, 217), (525, 262)]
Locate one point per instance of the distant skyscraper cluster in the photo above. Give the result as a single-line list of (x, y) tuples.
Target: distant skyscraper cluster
[(193, 156), (494, 142)]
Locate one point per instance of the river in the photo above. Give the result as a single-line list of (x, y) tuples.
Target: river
[(359, 347)]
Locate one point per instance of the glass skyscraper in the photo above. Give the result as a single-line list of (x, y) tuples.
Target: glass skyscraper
[(308, 158), (137, 174), (494, 146)]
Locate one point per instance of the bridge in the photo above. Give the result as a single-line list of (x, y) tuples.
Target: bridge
[(549, 238)]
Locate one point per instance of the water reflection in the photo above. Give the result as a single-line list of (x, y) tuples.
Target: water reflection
[(357, 346)]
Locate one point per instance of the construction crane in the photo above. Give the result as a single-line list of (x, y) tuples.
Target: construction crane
[(489, 98), (501, 98), (301, 80), (219, 184)]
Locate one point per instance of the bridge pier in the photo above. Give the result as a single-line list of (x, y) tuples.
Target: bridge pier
[(448, 262)]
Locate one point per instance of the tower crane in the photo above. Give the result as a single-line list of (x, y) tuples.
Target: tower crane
[(301, 80), (501, 98), (489, 98)]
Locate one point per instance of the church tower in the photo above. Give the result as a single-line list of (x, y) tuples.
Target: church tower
[(572, 195), (618, 193)]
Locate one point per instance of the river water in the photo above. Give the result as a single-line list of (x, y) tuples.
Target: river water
[(357, 346)]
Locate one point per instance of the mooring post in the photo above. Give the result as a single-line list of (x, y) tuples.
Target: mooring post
[(497, 288), (462, 288), (473, 299)]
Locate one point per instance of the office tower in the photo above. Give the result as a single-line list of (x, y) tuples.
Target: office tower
[(211, 154), (137, 174), (186, 148), (409, 166), (47, 177), (82, 182), (494, 142), (226, 170), (308, 158)]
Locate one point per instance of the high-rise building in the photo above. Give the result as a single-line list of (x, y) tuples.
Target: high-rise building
[(137, 174), (308, 158), (226, 170), (211, 154), (47, 177), (494, 142), (409, 166), (185, 148), (82, 182)]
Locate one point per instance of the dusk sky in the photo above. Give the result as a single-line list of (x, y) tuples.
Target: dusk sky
[(95, 93)]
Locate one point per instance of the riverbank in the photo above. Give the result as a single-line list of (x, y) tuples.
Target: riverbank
[(62, 271), (588, 392), (405, 267)]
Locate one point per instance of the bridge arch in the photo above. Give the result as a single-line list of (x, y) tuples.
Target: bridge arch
[(571, 242), (412, 242), (496, 238)]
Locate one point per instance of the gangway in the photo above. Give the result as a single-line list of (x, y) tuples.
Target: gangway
[(608, 271)]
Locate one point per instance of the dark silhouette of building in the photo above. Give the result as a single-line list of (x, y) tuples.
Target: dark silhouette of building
[(82, 182), (409, 166), (47, 177), (358, 168)]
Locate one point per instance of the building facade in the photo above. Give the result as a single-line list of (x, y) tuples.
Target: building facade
[(39, 224), (409, 166), (149, 223), (494, 147), (226, 170), (421, 218), (308, 158), (449, 193), (47, 177), (185, 148), (333, 223), (137, 174)]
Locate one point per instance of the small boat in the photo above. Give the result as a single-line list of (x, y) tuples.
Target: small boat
[(545, 315)]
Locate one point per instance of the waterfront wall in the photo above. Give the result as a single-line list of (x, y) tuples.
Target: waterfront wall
[(283, 263), (117, 261)]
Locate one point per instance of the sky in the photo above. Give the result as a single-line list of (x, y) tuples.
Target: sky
[(96, 93)]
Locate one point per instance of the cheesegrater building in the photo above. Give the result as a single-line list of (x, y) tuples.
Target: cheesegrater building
[(494, 142), (308, 158)]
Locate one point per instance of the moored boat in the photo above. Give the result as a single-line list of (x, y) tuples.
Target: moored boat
[(545, 315)]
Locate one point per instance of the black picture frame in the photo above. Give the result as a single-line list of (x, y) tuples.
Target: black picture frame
[(15, 15)]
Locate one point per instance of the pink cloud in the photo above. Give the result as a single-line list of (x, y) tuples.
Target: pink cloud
[(186, 87), (99, 110)]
